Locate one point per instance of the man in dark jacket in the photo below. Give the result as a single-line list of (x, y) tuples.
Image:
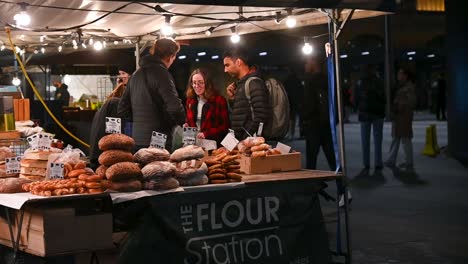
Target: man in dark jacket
[(316, 115), (245, 116), (151, 100), (61, 92), (370, 100)]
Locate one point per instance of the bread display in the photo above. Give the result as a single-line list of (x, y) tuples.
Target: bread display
[(111, 157), (189, 152), (66, 186), (116, 141), (224, 167), (148, 155), (158, 169), (12, 185), (123, 171)]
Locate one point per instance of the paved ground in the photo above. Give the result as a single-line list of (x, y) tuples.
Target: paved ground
[(400, 218)]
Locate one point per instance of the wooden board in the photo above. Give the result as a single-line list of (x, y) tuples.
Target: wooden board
[(291, 175)]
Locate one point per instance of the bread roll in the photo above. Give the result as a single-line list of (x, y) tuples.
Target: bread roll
[(123, 171), (158, 169), (148, 155), (260, 147), (256, 154), (126, 186), (161, 184), (12, 185), (187, 153), (116, 141), (193, 181), (33, 171), (101, 171), (110, 157)]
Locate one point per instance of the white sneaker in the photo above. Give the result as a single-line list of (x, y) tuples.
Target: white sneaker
[(350, 198)]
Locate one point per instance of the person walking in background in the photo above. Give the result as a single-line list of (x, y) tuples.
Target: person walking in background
[(295, 91), (151, 100), (205, 108), (108, 109), (403, 104), (440, 98), (246, 114), (316, 115), (61, 93), (370, 100)]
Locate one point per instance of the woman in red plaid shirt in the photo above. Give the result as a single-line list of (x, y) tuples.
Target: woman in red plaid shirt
[(205, 108)]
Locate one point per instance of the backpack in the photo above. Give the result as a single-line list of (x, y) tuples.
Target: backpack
[(277, 125)]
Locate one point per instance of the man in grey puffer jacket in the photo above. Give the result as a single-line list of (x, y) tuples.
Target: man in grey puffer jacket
[(245, 116)]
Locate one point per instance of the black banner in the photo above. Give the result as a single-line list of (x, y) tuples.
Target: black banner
[(279, 223)]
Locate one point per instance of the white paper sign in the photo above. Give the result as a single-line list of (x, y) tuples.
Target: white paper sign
[(40, 141), (260, 129), (158, 140), (229, 142), (189, 135), (55, 171), (113, 125), (284, 149), (12, 165), (206, 144)]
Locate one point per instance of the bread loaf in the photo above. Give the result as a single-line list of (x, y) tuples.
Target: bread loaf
[(126, 186), (12, 185), (190, 171), (116, 141), (193, 181), (33, 163), (158, 169), (187, 153), (123, 171), (110, 157), (6, 153), (148, 155), (101, 171), (161, 184), (33, 171)]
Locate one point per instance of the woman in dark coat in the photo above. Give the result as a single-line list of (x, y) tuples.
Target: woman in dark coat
[(403, 105), (206, 110), (151, 100)]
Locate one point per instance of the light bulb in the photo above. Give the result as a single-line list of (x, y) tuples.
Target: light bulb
[(83, 45), (60, 48), (74, 42), (2, 47), (98, 45), (104, 44), (208, 33), (291, 22), (235, 38), (36, 51), (16, 81), (41, 38), (22, 18), (116, 42), (17, 50), (42, 50), (307, 49), (167, 30), (91, 41), (75, 47)]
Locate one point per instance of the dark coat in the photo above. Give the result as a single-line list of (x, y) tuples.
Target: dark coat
[(241, 115), (370, 98), (98, 128), (151, 102), (316, 111), (403, 105), (214, 119), (63, 95)]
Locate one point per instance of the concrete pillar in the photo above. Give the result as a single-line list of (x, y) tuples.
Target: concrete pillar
[(457, 78)]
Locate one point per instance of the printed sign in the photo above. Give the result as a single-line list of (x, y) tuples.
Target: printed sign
[(40, 141), (206, 144), (55, 171), (113, 125), (189, 135), (12, 165), (158, 140), (283, 148), (230, 142)]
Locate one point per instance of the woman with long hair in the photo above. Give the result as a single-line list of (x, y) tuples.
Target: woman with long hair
[(206, 110)]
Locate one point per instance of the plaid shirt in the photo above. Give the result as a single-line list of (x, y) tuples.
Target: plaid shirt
[(214, 119)]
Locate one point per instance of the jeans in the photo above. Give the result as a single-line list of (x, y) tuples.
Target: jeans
[(377, 127), (407, 147), (316, 137)]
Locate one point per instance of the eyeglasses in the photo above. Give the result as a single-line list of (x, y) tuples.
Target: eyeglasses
[(198, 83)]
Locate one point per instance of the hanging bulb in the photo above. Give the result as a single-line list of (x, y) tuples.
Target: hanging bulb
[(2, 47), (290, 20), (16, 81), (209, 31), (42, 50), (307, 49), (22, 18), (83, 45), (60, 48), (98, 45), (166, 29), (74, 42), (41, 38), (104, 44), (22, 52), (91, 41), (235, 38), (36, 51), (116, 42), (17, 49), (75, 47)]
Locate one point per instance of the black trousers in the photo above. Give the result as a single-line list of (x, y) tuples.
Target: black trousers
[(319, 136)]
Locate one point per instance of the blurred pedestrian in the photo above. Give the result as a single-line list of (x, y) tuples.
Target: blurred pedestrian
[(295, 91), (440, 97)]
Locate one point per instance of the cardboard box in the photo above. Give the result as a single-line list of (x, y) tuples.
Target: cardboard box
[(268, 164), (22, 109), (50, 231)]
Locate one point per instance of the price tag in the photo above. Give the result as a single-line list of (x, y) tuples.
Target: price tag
[(283, 148), (206, 144), (260, 129), (40, 141), (12, 165), (158, 140), (113, 125), (55, 171), (189, 135), (229, 142)]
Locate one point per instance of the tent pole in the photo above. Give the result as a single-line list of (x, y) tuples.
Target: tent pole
[(336, 29)]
